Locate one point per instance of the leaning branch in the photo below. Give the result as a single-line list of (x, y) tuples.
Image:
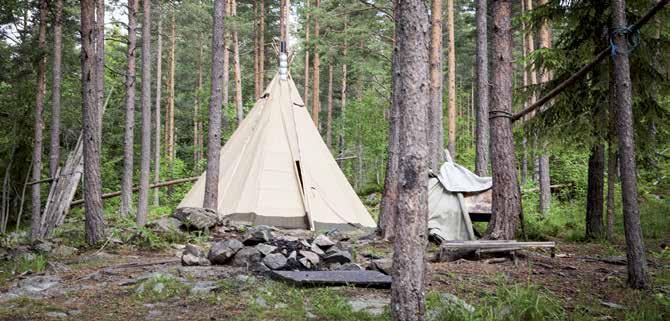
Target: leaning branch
[(136, 188), (582, 71)]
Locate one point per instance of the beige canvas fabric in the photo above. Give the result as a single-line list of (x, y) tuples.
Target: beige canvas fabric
[(276, 170)]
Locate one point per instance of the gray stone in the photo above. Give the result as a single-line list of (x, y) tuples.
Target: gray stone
[(247, 257), (222, 252), (306, 263), (166, 224), (158, 287), (612, 305), (56, 314), (260, 268), (195, 217), (38, 284), (275, 261), (323, 242), (373, 306), (382, 265), (314, 248), (43, 247), (311, 256), (265, 249), (261, 302), (204, 287), (355, 278), (347, 267), (193, 255), (257, 234), (305, 244), (338, 256), (292, 261)]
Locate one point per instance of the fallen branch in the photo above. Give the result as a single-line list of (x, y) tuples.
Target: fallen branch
[(552, 187), (137, 188)]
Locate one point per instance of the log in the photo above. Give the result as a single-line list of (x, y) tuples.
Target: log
[(136, 188), (586, 68)]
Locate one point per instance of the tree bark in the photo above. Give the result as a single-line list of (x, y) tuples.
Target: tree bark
[(343, 96), (594, 193), (635, 250), (128, 138), (145, 150), (257, 89), (215, 119), (159, 83), (482, 84), (226, 60), (197, 124), (54, 150), (170, 129), (543, 161), (261, 48), (316, 102), (95, 224), (39, 122), (612, 158), (435, 128), (412, 91), (307, 47), (506, 202), (238, 72), (451, 80), (329, 120), (100, 57)]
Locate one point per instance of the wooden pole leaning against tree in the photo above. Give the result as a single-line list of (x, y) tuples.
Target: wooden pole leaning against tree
[(412, 97), (215, 118)]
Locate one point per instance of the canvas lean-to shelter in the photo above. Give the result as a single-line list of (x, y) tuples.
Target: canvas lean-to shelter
[(276, 170)]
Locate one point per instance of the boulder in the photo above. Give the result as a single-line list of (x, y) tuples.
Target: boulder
[(314, 248), (275, 261), (292, 261), (306, 263), (257, 234), (247, 257), (222, 252), (311, 257), (165, 225), (193, 255), (323, 242), (265, 249), (338, 256), (346, 267), (382, 265), (195, 217), (43, 247)]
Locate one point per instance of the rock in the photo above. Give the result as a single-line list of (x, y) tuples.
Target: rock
[(222, 252), (265, 249), (204, 287), (311, 257), (323, 242), (347, 267), (260, 268), (38, 284), (64, 251), (195, 217), (335, 234), (56, 314), (257, 234), (382, 265), (261, 302), (338, 256), (193, 255), (306, 263), (314, 248), (292, 261), (275, 261), (247, 257), (450, 299), (373, 306), (166, 225), (612, 305), (305, 244), (43, 247)]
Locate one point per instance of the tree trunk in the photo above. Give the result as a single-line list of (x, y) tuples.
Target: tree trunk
[(215, 119), (506, 203), (343, 97), (482, 71), (451, 80), (261, 48), (100, 57), (145, 150), (238, 72), (170, 151), (95, 224), (412, 92), (435, 130), (635, 250), (612, 158), (128, 137), (54, 150), (543, 161), (257, 89), (329, 120), (197, 125), (594, 193), (226, 60), (39, 121), (307, 47), (387, 206), (316, 102), (159, 83)]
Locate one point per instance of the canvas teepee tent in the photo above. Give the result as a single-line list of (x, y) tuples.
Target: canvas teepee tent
[(276, 170)]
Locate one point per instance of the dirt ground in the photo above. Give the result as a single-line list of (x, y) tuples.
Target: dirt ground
[(103, 285)]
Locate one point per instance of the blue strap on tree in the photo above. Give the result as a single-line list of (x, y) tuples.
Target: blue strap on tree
[(632, 37)]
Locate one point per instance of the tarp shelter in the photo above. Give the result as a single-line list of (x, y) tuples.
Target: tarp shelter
[(276, 170), (453, 195)]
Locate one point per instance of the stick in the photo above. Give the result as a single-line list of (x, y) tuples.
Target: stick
[(136, 188), (582, 71), (44, 180)]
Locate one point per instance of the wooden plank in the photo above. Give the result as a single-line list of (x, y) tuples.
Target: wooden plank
[(373, 279)]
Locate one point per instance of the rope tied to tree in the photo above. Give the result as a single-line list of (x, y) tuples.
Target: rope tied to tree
[(632, 36), (499, 114)]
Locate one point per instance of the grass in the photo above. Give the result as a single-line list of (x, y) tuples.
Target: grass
[(29, 262), (159, 287)]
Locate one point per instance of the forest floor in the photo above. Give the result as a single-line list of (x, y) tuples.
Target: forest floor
[(111, 283)]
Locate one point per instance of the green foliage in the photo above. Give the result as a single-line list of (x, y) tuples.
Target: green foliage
[(159, 287)]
